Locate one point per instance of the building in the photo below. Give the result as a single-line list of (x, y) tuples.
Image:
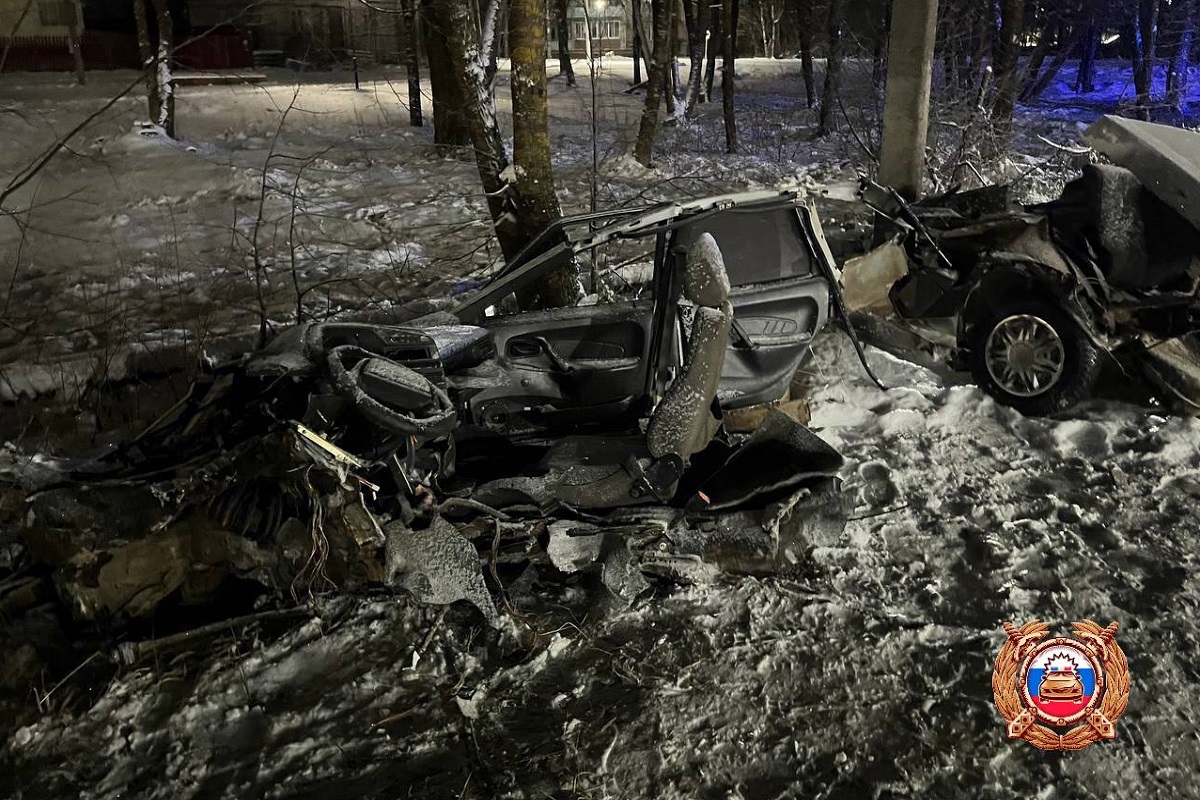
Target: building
[(36, 35), (611, 27)]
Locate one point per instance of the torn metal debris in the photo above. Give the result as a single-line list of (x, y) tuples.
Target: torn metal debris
[(458, 459)]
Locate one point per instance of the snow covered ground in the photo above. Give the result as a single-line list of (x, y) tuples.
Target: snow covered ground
[(865, 675)]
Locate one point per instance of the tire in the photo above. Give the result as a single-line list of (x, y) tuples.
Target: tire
[(1029, 354)]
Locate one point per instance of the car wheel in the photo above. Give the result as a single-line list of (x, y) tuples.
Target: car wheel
[(1031, 355)]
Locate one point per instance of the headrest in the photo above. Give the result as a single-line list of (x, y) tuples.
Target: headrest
[(1116, 196), (705, 282)]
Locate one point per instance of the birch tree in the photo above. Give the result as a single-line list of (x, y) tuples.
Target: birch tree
[(156, 63), (695, 33), (520, 194)]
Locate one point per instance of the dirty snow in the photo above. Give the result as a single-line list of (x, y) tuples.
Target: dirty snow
[(866, 674)]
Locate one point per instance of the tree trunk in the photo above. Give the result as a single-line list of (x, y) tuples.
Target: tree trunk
[(460, 39), (728, 40), (672, 75), (146, 57), (1040, 82), (833, 67), (74, 37), (562, 29), (449, 121), (493, 22), (1007, 61), (906, 107), (163, 75), (695, 36), (1181, 57), (636, 16), (537, 201), (803, 16), (714, 44), (412, 61), (879, 51), (1085, 81), (656, 80), (1145, 37), (1033, 68), (736, 25)]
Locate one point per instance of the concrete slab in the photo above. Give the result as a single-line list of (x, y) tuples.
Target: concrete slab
[(1164, 158)]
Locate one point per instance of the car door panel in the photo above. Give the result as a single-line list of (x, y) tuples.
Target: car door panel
[(572, 365), (779, 320), (780, 298)]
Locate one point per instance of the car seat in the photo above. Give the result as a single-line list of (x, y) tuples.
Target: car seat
[(1139, 242), (684, 423)]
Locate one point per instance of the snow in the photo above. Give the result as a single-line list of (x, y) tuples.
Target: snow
[(869, 667)]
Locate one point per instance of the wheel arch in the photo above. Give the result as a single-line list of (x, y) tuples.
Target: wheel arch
[(1004, 280)]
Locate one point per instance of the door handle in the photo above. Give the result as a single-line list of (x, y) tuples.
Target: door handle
[(524, 348)]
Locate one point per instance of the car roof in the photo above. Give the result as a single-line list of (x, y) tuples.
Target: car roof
[(585, 231), (581, 232)]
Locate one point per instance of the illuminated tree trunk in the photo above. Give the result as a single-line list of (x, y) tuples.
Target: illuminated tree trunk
[(163, 75), (146, 57), (537, 203), (714, 44), (656, 81), (695, 34)]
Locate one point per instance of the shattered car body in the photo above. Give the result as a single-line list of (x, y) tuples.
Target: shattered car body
[(588, 437), (1035, 300)]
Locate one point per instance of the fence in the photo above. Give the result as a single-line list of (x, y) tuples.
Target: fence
[(101, 50), (217, 50)]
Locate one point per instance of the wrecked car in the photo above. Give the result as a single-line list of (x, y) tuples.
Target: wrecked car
[(584, 438), (1033, 302)]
